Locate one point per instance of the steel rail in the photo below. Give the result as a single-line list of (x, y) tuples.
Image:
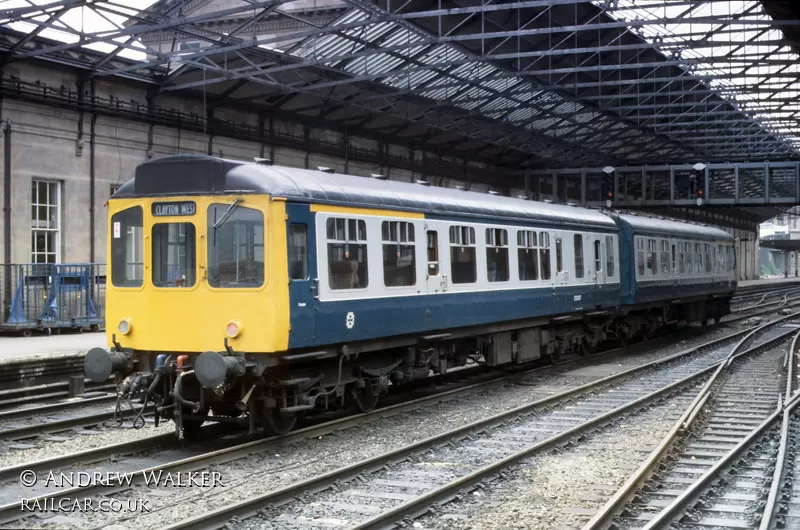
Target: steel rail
[(28, 431), (53, 407), (220, 517), (11, 512), (338, 424), (607, 512), (420, 505), (772, 504)]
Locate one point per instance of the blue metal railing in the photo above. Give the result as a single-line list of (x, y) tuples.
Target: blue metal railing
[(52, 295)]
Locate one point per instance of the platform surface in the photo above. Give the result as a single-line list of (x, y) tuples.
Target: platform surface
[(12, 347), (769, 281)]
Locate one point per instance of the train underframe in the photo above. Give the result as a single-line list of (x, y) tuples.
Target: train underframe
[(275, 391)]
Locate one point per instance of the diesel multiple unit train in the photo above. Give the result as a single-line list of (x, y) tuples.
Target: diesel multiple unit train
[(255, 293)]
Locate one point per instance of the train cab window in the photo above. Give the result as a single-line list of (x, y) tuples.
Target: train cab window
[(235, 246), (298, 252), (544, 254), (652, 258), (721, 259), (399, 254), (609, 256), (559, 256), (682, 258), (665, 258), (497, 254), (127, 248), (173, 255), (462, 254), (640, 256), (577, 241), (347, 253), (527, 255), (433, 253), (709, 262)]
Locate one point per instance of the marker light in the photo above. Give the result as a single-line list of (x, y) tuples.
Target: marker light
[(124, 326), (233, 329)]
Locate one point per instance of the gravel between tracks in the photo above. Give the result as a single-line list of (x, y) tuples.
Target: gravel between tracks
[(546, 492), (79, 442), (265, 472)]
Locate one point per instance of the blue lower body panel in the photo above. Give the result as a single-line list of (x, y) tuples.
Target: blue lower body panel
[(356, 320)]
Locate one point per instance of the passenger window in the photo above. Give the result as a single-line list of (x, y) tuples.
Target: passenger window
[(578, 245), (462, 254), (235, 246), (127, 248), (298, 252), (640, 256), (698, 258), (399, 254), (347, 253), (652, 258), (609, 256), (559, 257), (173, 255), (544, 254), (665, 258), (433, 253), (709, 262), (497, 254), (528, 255), (674, 268), (598, 264)]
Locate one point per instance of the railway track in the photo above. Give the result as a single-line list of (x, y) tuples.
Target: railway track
[(229, 454), (407, 482), (475, 378), (725, 467)]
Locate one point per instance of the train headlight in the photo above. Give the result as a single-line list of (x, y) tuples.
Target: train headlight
[(233, 329), (124, 326)]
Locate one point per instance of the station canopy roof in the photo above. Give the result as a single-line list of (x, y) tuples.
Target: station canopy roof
[(531, 83)]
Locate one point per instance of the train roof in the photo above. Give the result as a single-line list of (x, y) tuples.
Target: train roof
[(654, 226), (202, 175)]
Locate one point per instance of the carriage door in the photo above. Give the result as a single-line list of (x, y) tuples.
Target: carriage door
[(435, 274), (598, 271), (303, 281)]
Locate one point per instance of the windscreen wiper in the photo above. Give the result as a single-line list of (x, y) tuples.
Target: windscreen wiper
[(227, 214)]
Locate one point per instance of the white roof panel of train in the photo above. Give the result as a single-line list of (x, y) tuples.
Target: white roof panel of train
[(665, 226), (212, 175)]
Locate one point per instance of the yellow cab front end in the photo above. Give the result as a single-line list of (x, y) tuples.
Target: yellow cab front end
[(186, 274)]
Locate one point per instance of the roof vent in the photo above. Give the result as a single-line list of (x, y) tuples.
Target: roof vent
[(492, 192), (378, 176), (423, 183), (548, 201), (461, 188), (571, 204), (263, 161), (325, 169), (523, 197)]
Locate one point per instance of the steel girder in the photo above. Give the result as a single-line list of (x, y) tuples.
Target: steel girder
[(553, 81)]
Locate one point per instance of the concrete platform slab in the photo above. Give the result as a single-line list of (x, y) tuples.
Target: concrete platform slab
[(15, 349)]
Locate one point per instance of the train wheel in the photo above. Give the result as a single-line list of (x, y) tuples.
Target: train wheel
[(278, 423), (363, 399)]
